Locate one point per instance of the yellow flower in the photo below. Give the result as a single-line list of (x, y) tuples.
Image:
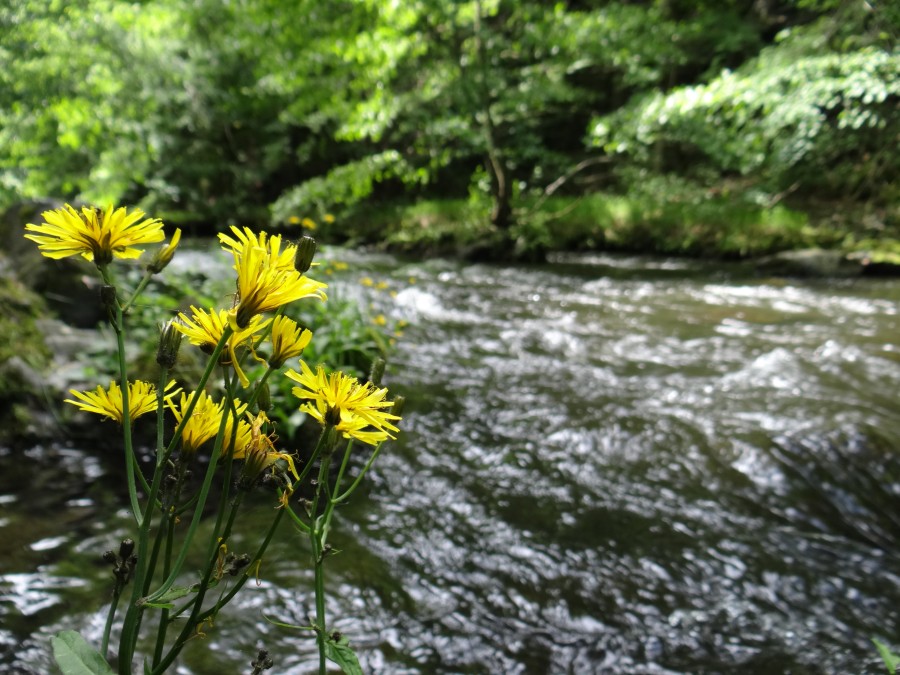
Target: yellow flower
[(308, 223), (367, 281), (294, 220), (141, 400), (246, 238), (265, 284), (96, 235), (353, 408), (205, 328), (203, 424), (328, 218), (339, 265), (288, 340), (380, 320), (381, 285)]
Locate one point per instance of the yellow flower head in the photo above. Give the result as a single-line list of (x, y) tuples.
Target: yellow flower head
[(141, 400), (288, 340), (245, 238), (358, 410), (96, 235), (264, 283), (204, 422), (308, 223), (204, 328)]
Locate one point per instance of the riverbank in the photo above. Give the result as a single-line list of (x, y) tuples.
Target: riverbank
[(718, 228)]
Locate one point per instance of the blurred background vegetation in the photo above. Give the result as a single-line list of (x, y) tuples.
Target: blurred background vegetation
[(725, 127)]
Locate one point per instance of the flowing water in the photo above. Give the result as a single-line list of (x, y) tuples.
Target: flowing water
[(608, 465)]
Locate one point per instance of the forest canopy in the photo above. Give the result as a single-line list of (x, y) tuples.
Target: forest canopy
[(212, 112)]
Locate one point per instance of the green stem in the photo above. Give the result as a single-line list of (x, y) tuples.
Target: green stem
[(164, 615), (317, 537), (131, 624), (257, 558), (137, 291), (365, 469), (104, 646), (197, 617)]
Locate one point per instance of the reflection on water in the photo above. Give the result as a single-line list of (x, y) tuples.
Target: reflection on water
[(608, 466)]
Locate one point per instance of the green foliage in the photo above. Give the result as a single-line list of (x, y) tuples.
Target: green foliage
[(795, 118), (314, 108)]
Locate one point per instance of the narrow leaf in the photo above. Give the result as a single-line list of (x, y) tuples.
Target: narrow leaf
[(891, 660)]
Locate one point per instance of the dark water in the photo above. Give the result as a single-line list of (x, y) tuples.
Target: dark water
[(608, 466)]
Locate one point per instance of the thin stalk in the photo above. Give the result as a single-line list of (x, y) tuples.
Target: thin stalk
[(257, 558), (137, 291), (365, 469), (164, 615), (107, 629), (133, 617), (317, 536), (194, 619)]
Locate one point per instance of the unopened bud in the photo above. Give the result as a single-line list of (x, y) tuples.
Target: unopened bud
[(109, 556), (164, 255), (377, 371), (108, 298), (397, 408), (169, 342), (264, 398), (126, 548), (306, 251)]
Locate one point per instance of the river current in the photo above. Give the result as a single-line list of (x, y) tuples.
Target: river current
[(607, 465)]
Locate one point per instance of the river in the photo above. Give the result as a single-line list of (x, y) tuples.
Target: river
[(607, 465)]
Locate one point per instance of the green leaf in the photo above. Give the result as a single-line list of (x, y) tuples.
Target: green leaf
[(74, 656), (340, 652), (891, 660)]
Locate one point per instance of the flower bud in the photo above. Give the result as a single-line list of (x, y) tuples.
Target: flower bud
[(397, 408), (169, 342), (306, 251), (377, 371), (109, 300), (126, 548), (264, 398), (164, 255)]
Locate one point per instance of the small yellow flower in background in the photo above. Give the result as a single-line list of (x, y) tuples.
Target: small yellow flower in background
[(393, 294), (380, 320), (96, 235), (357, 410), (381, 285), (328, 218), (264, 285), (294, 220), (308, 223), (340, 266), (288, 340), (367, 281), (204, 328), (412, 280), (108, 403)]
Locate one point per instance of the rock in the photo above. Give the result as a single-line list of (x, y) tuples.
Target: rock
[(812, 262)]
